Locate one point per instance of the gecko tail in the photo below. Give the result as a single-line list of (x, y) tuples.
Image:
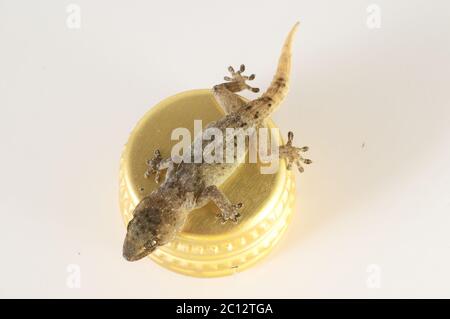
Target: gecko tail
[(280, 84)]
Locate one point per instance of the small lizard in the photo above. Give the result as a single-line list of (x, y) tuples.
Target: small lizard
[(187, 186)]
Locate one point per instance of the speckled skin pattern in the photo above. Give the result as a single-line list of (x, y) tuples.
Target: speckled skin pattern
[(187, 186)]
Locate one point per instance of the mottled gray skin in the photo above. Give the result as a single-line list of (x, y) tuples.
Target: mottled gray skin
[(187, 186)]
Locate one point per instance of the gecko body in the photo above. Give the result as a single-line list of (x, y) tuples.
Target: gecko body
[(187, 186)]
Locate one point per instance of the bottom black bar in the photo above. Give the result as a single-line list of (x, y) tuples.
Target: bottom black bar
[(208, 308)]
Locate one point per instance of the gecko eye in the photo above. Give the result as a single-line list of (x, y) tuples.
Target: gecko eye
[(150, 244)]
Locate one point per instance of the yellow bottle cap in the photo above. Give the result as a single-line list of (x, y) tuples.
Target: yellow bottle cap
[(205, 247)]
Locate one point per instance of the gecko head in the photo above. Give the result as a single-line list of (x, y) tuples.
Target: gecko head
[(143, 231)]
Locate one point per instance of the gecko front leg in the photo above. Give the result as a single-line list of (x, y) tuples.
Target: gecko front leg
[(225, 93), (228, 211), (292, 154), (156, 165)]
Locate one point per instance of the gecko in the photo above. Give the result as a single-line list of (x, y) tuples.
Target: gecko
[(162, 214)]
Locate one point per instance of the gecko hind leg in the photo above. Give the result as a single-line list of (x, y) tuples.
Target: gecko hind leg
[(156, 164), (225, 93), (228, 211), (292, 154), (237, 82)]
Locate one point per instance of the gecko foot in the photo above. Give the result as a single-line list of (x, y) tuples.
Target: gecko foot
[(240, 80), (231, 214), (153, 166), (292, 154)]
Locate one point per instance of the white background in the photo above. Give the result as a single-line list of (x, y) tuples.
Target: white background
[(372, 104)]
